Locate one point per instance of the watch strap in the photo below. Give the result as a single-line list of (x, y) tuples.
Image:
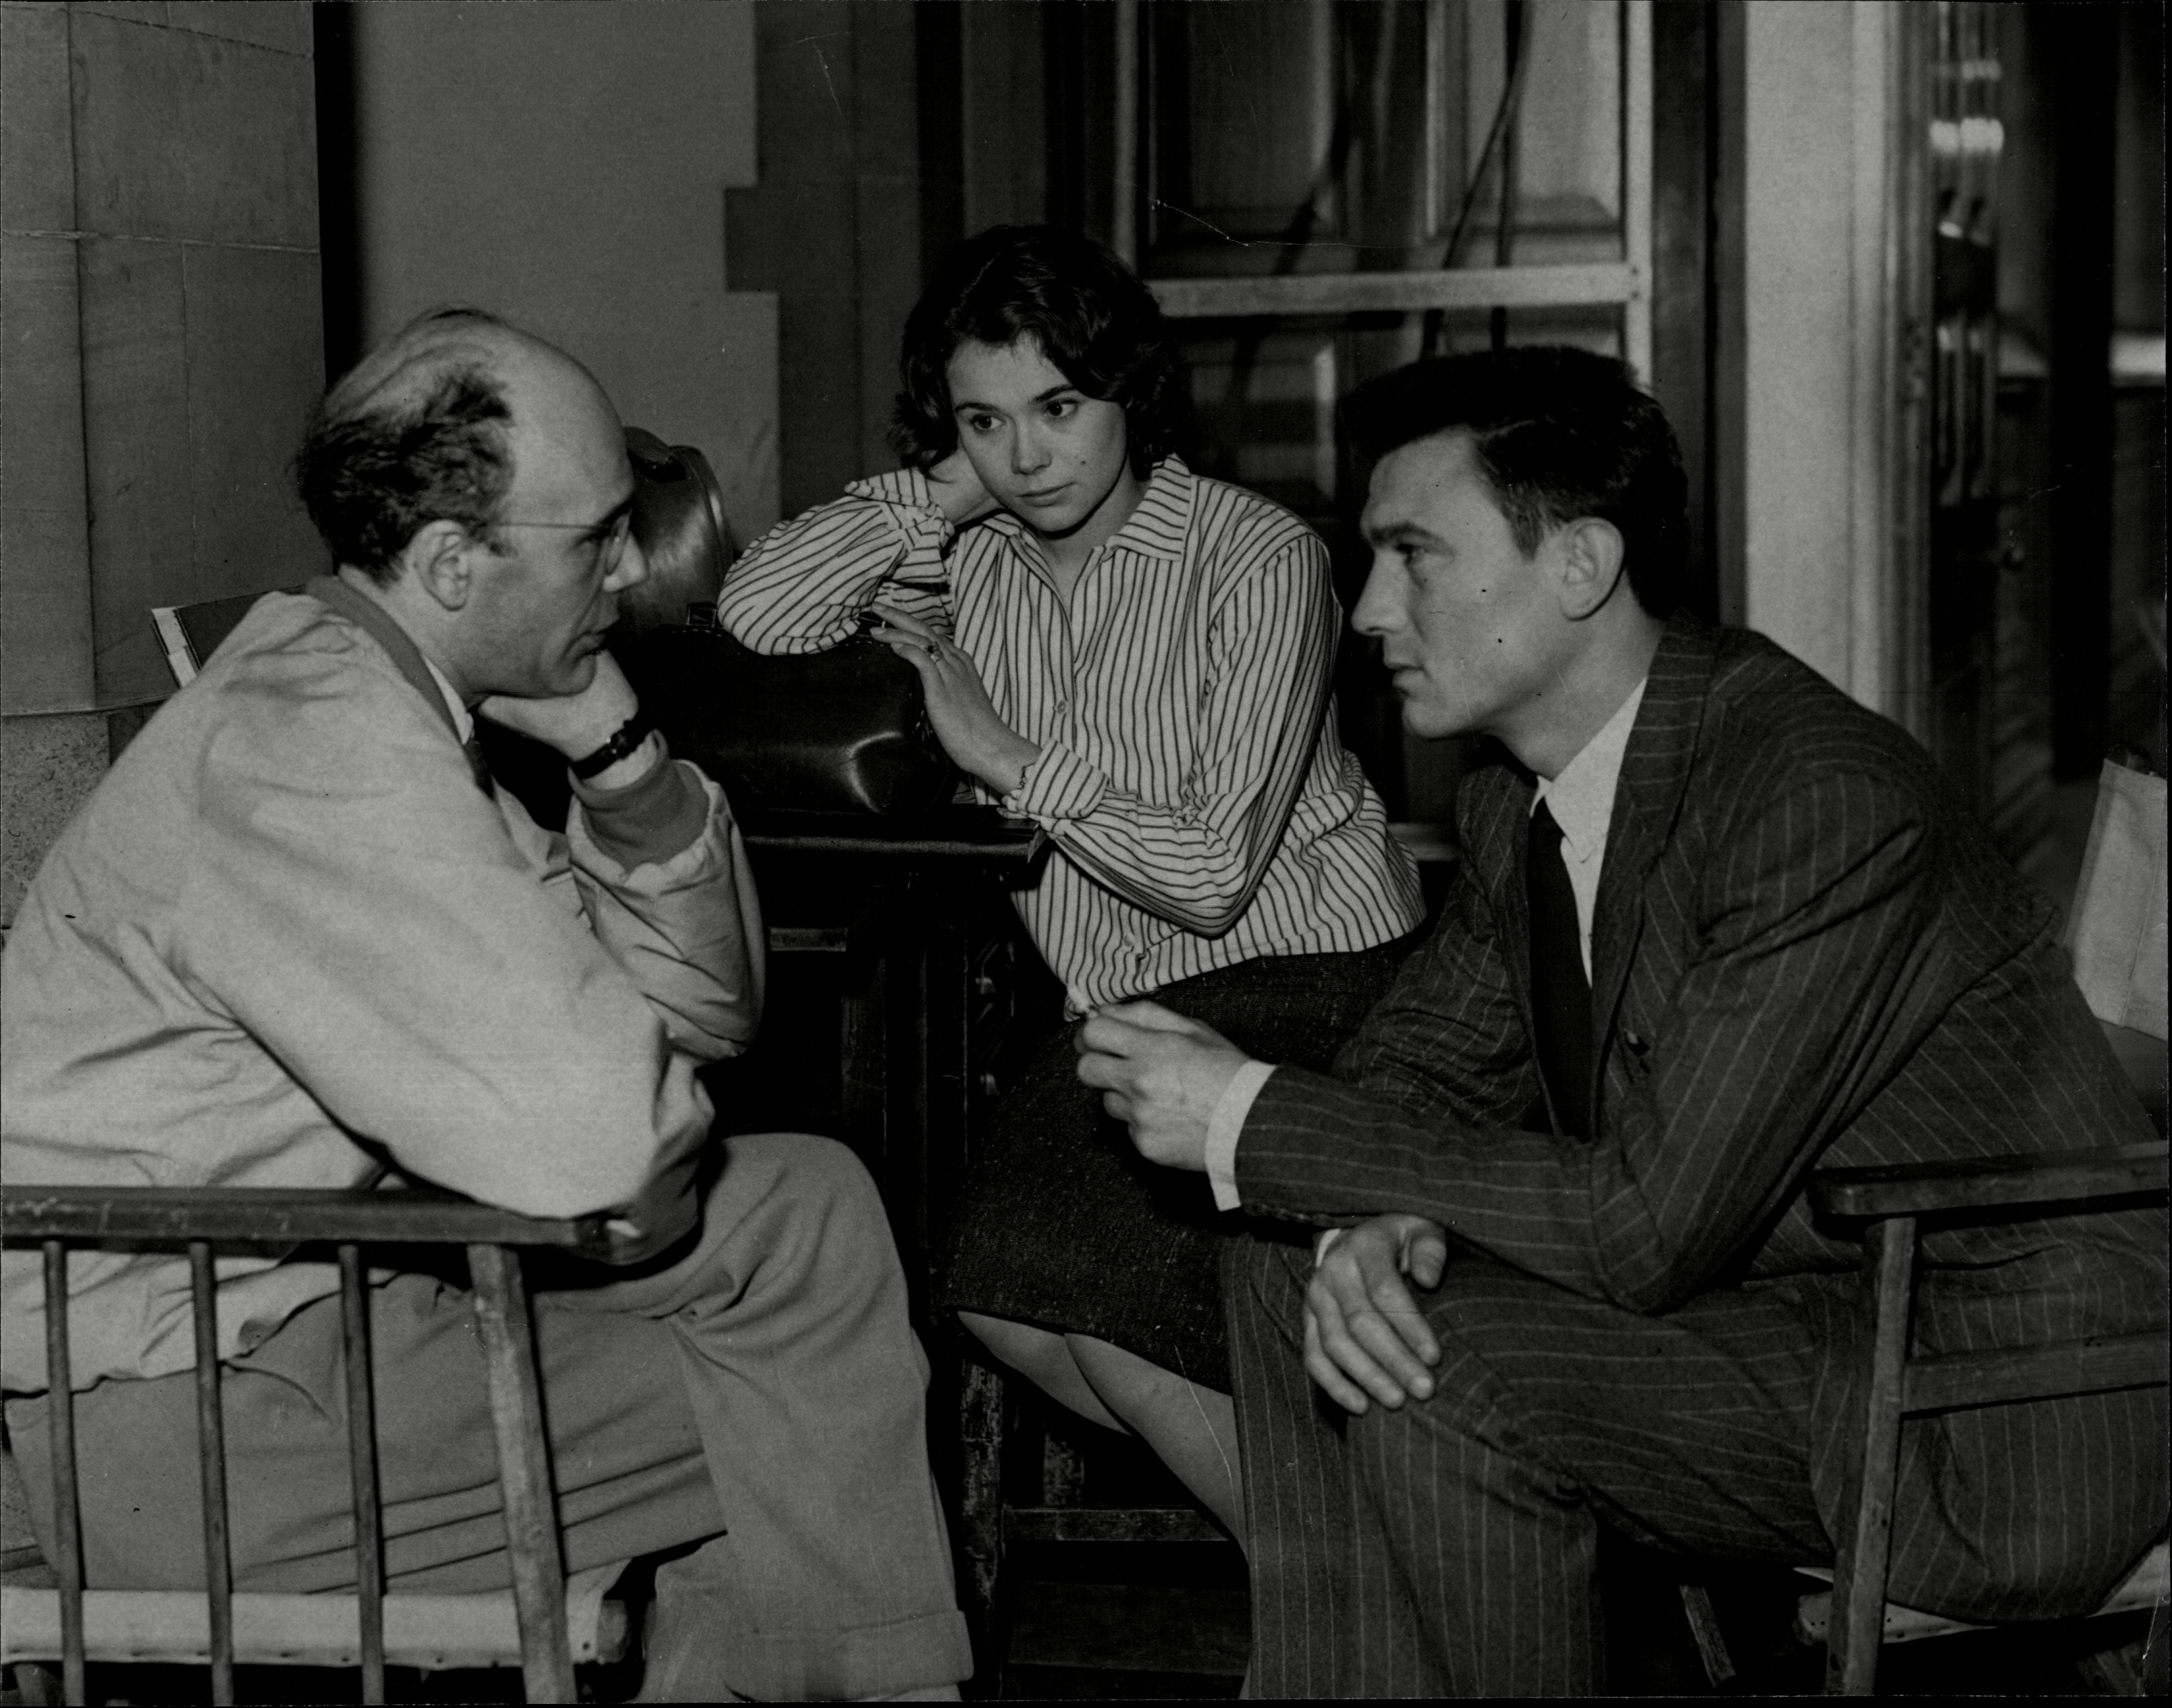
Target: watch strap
[(632, 733)]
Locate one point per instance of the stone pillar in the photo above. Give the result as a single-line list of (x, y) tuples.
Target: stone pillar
[(1828, 556), (159, 260)]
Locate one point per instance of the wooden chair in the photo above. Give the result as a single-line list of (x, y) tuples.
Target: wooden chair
[(1890, 1205), (2116, 932), (368, 1628)]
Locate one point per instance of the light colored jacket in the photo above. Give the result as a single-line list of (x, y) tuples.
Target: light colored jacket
[(289, 939)]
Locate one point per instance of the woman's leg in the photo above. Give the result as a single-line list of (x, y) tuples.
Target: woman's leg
[(1193, 1429), (1041, 1355)]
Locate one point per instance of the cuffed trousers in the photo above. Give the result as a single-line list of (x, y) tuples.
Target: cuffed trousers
[(1448, 1547), (763, 1396)]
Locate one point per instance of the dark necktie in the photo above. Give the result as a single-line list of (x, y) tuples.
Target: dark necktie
[(1560, 994), (472, 747)]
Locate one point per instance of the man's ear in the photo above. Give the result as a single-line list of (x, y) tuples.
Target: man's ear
[(437, 556), (1592, 555)]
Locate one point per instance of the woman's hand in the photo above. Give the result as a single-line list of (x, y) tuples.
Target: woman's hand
[(958, 492), (980, 744)]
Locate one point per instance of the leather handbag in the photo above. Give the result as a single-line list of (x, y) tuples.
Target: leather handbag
[(841, 731)]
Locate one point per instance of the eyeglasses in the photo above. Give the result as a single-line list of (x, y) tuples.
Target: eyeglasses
[(609, 536)]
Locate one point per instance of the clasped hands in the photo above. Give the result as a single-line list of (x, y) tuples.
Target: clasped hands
[(1365, 1338)]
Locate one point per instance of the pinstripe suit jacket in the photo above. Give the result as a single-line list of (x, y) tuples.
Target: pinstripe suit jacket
[(1804, 951)]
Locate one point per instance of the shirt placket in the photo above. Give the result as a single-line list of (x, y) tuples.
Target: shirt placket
[(1048, 625)]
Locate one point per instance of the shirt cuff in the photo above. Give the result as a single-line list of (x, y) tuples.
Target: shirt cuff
[(1224, 1127), (908, 490), (1058, 784), (907, 486), (651, 819)]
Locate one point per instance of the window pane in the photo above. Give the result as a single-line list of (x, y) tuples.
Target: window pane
[(1356, 135)]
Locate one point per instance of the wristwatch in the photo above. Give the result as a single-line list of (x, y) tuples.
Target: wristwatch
[(632, 733)]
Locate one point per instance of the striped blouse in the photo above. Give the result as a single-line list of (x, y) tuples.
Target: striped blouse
[(1202, 809)]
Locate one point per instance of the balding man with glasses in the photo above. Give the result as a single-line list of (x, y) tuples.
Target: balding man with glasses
[(297, 938)]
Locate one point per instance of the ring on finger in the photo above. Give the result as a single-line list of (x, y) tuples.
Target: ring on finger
[(934, 649)]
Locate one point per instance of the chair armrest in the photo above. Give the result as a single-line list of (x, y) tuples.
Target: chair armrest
[(1990, 1183), (166, 1214)]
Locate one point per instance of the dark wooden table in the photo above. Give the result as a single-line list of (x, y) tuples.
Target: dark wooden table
[(896, 967)]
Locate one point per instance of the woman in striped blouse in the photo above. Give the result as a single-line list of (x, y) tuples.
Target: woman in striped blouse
[(1139, 661)]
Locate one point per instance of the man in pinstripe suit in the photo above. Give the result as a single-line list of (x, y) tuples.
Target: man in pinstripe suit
[(1715, 924)]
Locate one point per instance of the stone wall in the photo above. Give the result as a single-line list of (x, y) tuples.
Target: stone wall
[(160, 288)]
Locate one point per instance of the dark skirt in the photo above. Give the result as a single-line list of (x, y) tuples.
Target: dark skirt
[(1061, 1223)]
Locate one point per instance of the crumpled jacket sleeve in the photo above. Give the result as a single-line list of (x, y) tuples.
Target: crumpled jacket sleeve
[(803, 585), (1196, 860), (374, 920), (1812, 927)]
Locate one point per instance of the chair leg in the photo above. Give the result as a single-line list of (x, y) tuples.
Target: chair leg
[(211, 1452), (67, 1511), (1704, 1626), (1858, 1600), (38, 1685), (523, 1468), (980, 1502), (361, 1468), (2156, 1674)]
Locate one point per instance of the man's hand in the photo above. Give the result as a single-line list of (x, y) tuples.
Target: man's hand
[(1161, 1073), (1363, 1332), (576, 724)]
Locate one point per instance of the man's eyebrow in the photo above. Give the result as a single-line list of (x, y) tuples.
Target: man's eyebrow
[(1379, 534)]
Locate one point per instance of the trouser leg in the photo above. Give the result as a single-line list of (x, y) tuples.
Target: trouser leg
[(1298, 1514), (1389, 1560), (809, 1387), (627, 1457), (1462, 1531), (766, 1381)]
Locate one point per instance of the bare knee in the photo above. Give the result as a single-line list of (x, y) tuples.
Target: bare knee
[(1038, 1353), (1125, 1379)]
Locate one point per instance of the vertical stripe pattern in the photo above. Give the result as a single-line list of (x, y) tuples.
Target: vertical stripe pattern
[(1804, 951), (1449, 1548), (1202, 807)]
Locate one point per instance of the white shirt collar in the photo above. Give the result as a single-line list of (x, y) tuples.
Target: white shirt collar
[(463, 719), (1582, 797)]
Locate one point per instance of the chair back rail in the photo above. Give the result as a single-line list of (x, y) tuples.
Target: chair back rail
[(1990, 1183), (54, 1218)]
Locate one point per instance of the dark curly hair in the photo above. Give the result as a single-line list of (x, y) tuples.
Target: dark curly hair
[(1088, 312), (1559, 433), (417, 432)]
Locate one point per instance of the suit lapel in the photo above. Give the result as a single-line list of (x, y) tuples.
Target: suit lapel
[(1496, 841), (1655, 770), (1511, 897)]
